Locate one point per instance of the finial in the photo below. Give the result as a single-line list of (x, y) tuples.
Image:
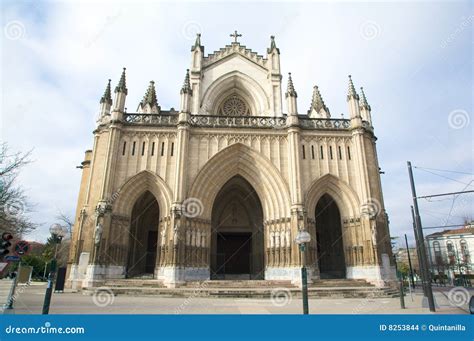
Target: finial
[(291, 89), (352, 92), (272, 45), (317, 102), (150, 96), (197, 43), (122, 86), (363, 100), (107, 96), (186, 89)]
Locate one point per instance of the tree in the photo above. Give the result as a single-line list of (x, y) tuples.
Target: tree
[(66, 221), (38, 263), (61, 253), (403, 269), (14, 204)]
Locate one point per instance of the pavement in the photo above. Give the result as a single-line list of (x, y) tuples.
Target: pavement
[(29, 300), (5, 286)]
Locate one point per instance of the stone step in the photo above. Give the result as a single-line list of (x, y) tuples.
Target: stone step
[(327, 283), (340, 283), (240, 284), (341, 292), (134, 283)]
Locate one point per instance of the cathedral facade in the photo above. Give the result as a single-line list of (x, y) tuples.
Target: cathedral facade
[(220, 188)]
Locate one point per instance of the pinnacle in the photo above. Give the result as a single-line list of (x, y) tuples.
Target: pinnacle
[(186, 85), (122, 86), (352, 92), (107, 96), (291, 88), (363, 100), (150, 96)]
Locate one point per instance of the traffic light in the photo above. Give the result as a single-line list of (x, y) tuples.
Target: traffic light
[(5, 243)]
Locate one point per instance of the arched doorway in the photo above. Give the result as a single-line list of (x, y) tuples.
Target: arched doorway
[(143, 236), (237, 250), (329, 239)]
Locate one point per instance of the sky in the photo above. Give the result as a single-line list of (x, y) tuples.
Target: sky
[(414, 60)]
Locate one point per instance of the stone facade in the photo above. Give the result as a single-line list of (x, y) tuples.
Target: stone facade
[(230, 148)]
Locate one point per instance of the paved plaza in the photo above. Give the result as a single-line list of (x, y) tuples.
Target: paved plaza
[(29, 300)]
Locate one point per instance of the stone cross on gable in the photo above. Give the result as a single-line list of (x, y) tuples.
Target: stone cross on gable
[(235, 35)]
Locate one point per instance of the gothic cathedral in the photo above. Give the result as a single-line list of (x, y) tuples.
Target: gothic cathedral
[(220, 188)]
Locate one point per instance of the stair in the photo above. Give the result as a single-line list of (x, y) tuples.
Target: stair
[(241, 284), (134, 282), (327, 288)]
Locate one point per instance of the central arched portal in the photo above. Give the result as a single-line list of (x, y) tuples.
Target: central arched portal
[(237, 247), (143, 236), (330, 247)]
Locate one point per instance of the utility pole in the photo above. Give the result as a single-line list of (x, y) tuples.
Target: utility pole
[(421, 242), (409, 263), (421, 263)]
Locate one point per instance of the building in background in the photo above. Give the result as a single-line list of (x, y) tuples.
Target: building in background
[(449, 253)]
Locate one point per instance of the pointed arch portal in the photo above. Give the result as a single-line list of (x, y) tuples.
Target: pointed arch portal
[(330, 246), (143, 236), (237, 250)]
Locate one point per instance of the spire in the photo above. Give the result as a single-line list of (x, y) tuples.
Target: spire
[(150, 96), (291, 89), (107, 96), (273, 46), (317, 102), (122, 86), (352, 92), (186, 89), (363, 100), (197, 43)]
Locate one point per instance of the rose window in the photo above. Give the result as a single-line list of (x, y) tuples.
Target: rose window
[(234, 106)]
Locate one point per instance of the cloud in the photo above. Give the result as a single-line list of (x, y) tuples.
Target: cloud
[(414, 72)]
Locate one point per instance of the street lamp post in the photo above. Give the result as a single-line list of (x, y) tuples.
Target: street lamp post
[(57, 233), (302, 238)]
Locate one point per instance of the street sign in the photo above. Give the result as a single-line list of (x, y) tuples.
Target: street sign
[(12, 258), (22, 248)]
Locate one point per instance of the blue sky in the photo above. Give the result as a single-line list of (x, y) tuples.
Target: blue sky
[(414, 60)]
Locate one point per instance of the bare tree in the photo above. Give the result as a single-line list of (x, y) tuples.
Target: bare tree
[(66, 221), (14, 204)]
